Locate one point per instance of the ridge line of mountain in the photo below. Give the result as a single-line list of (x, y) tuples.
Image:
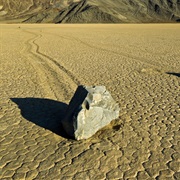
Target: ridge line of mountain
[(90, 11)]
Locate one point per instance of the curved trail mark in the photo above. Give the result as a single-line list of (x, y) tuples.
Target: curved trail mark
[(126, 55), (76, 81), (122, 54), (53, 76)]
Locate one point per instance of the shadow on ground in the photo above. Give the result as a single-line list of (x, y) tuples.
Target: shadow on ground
[(174, 74), (43, 112)]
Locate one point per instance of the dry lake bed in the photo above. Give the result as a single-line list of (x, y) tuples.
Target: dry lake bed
[(41, 67)]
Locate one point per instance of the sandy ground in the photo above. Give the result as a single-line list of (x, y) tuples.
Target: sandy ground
[(40, 68)]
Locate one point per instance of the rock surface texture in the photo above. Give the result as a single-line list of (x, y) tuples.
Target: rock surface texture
[(90, 109)]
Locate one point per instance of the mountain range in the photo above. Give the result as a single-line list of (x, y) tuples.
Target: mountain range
[(89, 11)]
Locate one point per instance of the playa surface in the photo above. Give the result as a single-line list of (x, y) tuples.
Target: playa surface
[(41, 67)]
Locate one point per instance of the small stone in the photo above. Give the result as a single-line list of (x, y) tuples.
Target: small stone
[(90, 109)]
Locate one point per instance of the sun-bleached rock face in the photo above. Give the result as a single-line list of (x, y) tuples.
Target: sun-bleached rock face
[(90, 109)]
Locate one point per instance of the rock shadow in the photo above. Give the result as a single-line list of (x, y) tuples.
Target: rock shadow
[(174, 74), (43, 112)]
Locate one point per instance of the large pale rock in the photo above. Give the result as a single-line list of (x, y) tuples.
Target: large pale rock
[(90, 109)]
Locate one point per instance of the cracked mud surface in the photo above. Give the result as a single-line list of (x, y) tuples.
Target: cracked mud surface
[(40, 68)]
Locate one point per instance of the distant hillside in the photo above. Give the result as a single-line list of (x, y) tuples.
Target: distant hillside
[(89, 11)]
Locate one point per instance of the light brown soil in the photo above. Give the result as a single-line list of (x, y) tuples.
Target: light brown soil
[(40, 68)]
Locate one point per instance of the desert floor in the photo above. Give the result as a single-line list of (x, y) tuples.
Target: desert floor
[(41, 67)]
